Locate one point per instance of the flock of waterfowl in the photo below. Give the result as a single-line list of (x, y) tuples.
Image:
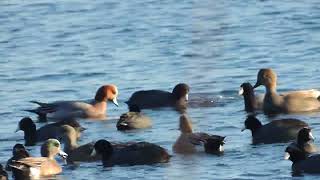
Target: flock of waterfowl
[(66, 129)]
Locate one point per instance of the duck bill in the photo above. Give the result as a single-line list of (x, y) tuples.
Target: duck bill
[(240, 92), (311, 136), (115, 101), (286, 156), (63, 154), (256, 85), (187, 97), (93, 153), (18, 129)]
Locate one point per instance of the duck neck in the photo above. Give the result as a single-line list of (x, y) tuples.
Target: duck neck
[(271, 88), (249, 102), (30, 137), (100, 106), (70, 144), (254, 130)]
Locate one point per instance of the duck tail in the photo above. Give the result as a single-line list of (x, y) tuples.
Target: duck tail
[(39, 103)]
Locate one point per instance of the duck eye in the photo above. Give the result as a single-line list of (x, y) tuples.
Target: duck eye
[(56, 144)]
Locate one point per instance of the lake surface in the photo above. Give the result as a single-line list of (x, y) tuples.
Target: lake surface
[(65, 50)]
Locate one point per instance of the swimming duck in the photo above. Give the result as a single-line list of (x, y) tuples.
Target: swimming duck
[(277, 131), (141, 153), (133, 119), (157, 98), (296, 101), (36, 167), (32, 135), (305, 141), (188, 140), (251, 101), (96, 109), (18, 152)]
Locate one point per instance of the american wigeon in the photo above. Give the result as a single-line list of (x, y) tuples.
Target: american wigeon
[(305, 140), (3, 174), (36, 167), (133, 119), (75, 152), (157, 98), (296, 101), (301, 161), (141, 153), (252, 102), (188, 141), (277, 131), (96, 109), (32, 135), (18, 152)]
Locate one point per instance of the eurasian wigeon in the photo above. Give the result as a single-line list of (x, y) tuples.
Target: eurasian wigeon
[(96, 109)]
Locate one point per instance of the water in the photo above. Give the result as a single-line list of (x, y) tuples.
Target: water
[(65, 50)]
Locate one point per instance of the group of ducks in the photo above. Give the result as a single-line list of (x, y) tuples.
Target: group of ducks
[(67, 130)]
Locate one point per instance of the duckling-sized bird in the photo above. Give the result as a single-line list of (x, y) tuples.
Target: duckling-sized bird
[(301, 161), (305, 141), (18, 152), (36, 167), (32, 135), (133, 119), (141, 153), (3, 173), (277, 131), (296, 101), (188, 141), (96, 109), (158, 98)]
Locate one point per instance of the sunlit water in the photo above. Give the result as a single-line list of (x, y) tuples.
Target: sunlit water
[(65, 50)]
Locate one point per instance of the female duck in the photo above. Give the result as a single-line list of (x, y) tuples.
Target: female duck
[(133, 119)]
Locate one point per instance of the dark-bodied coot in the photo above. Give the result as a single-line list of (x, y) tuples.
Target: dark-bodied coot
[(157, 98), (188, 141), (277, 131), (141, 153), (302, 162), (252, 102), (305, 140), (133, 119)]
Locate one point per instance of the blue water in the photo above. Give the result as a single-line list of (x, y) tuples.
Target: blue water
[(65, 50)]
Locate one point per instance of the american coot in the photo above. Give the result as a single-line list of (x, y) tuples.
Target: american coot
[(18, 152), (297, 101), (75, 152), (305, 141), (141, 153), (188, 141), (36, 167), (96, 109), (251, 101), (158, 98), (3, 174), (277, 131), (301, 161), (133, 119), (32, 136)]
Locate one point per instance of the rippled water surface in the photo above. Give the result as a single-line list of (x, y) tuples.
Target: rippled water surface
[(65, 50)]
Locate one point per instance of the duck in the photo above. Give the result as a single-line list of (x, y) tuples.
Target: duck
[(3, 173), (36, 167), (148, 99), (18, 152), (302, 162), (140, 153), (32, 135), (77, 153), (95, 109), (188, 141), (133, 119), (305, 140), (276, 131), (291, 102), (252, 102)]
